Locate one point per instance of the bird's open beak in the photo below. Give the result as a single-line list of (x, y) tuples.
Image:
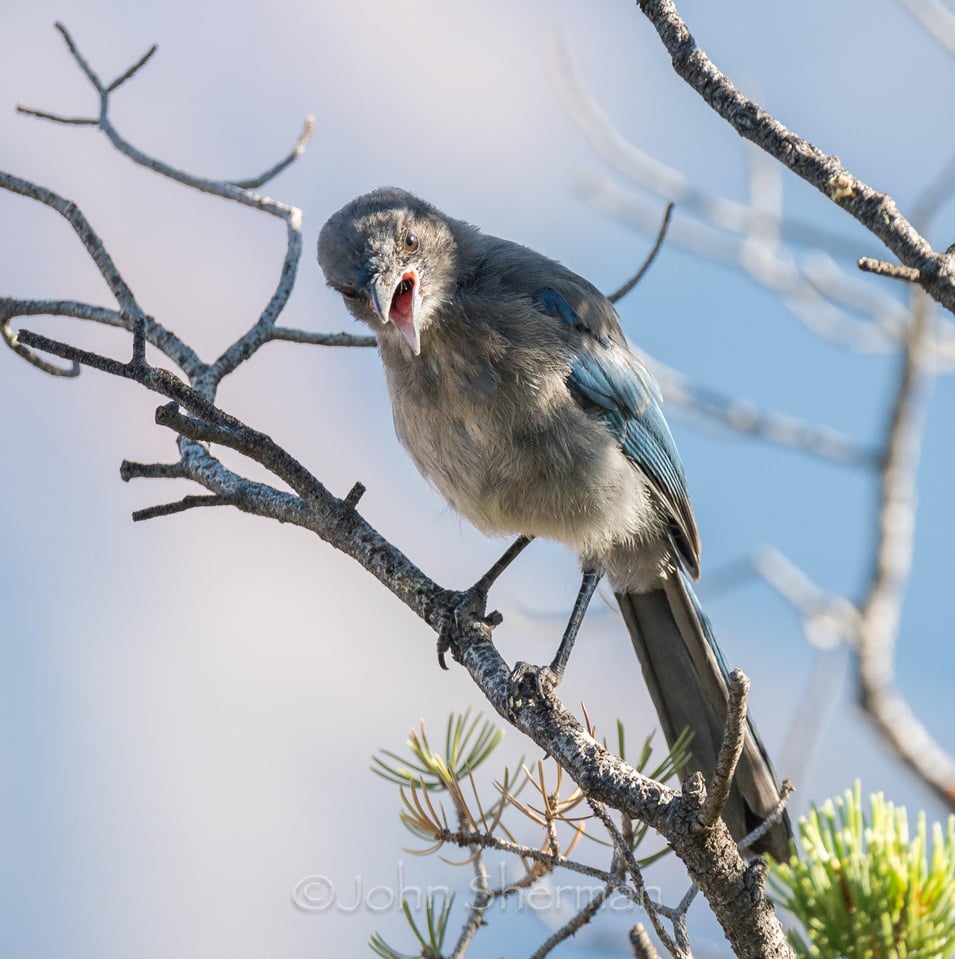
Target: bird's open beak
[(398, 301)]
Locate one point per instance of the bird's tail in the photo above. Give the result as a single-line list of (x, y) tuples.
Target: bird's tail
[(686, 676)]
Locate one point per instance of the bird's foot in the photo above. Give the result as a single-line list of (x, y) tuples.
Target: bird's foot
[(459, 604), (530, 684)]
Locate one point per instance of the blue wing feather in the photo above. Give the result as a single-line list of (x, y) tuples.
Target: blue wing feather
[(610, 382)]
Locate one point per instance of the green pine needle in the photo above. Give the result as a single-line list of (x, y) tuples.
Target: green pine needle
[(866, 890)]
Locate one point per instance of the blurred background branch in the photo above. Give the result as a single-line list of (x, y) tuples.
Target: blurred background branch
[(760, 241)]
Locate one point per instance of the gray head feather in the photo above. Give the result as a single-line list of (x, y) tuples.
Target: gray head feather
[(394, 258)]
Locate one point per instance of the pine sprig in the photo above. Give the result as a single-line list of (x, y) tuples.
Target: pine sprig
[(865, 889)]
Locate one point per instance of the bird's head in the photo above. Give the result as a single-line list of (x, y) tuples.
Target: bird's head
[(393, 259)]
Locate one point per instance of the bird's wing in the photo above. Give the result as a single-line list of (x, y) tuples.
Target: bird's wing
[(611, 382)]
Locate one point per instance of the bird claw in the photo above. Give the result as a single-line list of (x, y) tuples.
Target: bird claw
[(542, 681), (466, 602)]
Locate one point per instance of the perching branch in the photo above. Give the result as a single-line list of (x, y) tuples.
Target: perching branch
[(734, 891)]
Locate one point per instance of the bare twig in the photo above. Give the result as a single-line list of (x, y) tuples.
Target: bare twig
[(894, 270), (12, 339), (629, 160), (205, 378), (785, 791), (620, 293), (129, 73), (321, 339), (625, 853), (180, 506), (58, 118), (129, 470), (734, 736), (641, 943), (574, 924), (478, 906), (94, 245), (313, 506), (129, 312), (354, 495), (300, 146), (828, 620)]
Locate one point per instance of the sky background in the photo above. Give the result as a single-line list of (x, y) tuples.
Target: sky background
[(188, 706)]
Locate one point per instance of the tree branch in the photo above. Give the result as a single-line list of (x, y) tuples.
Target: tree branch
[(711, 858), (880, 610), (875, 211)]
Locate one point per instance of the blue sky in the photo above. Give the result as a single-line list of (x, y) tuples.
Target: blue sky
[(187, 706)]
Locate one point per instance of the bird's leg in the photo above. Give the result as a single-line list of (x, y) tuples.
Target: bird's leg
[(477, 594), (484, 584), (552, 675), (588, 587)]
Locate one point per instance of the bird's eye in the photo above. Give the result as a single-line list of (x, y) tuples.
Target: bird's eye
[(411, 243), (349, 292)]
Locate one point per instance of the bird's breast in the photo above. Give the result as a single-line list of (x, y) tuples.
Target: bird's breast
[(509, 449)]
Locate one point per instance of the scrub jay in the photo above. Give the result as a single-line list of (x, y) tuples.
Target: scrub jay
[(516, 395)]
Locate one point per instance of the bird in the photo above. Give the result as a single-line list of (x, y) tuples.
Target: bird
[(517, 396)]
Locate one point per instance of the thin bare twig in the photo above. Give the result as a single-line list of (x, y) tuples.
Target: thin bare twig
[(180, 506), (133, 70), (320, 339), (574, 924), (785, 791), (479, 905), (734, 736), (58, 118), (625, 853), (641, 943), (300, 146), (629, 160), (894, 270), (204, 377), (12, 339), (129, 313), (622, 291)]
